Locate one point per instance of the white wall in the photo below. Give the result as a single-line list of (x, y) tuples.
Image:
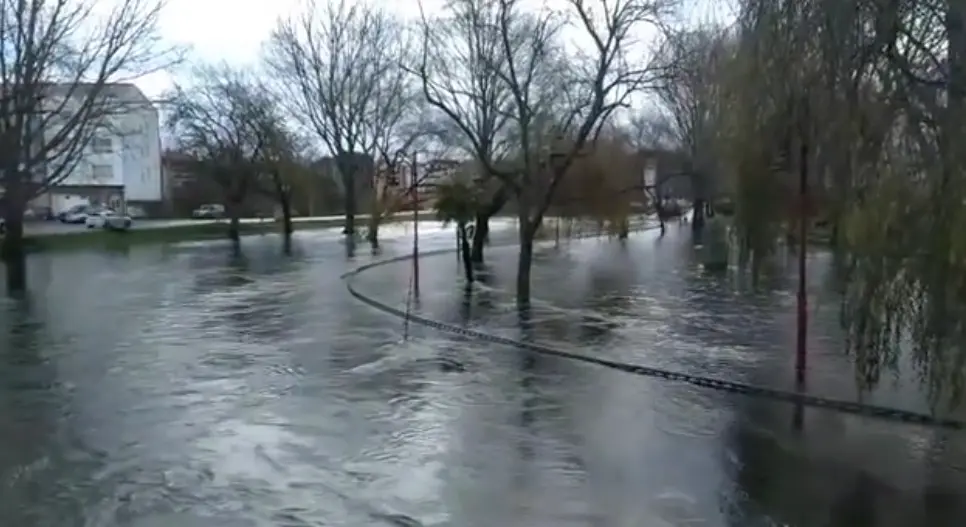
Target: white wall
[(135, 159), (142, 157)]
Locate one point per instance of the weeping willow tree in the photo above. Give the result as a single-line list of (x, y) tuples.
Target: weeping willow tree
[(875, 88), (749, 152), (906, 281)]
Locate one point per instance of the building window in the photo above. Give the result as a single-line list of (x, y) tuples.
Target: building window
[(102, 173), (101, 144)]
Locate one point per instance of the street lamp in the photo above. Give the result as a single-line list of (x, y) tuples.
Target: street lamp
[(802, 322), (414, 192)]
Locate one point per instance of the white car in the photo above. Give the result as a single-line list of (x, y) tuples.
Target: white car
[(208, 211), (76, 214), (107, 219)]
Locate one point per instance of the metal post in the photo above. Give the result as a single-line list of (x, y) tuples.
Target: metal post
[(801, 354), (415, 224)]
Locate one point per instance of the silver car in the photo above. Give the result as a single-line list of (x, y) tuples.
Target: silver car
[(107, 219)]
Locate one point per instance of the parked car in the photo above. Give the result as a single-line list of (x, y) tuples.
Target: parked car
[(75, 214), (135, 212), (107, 219), (209, 211)]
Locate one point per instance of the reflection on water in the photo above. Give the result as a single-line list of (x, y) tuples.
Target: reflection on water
[(189, 385)]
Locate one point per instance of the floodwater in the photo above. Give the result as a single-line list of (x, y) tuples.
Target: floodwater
[(188, 385)]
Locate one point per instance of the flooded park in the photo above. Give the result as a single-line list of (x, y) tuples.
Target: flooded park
[(193, 385)]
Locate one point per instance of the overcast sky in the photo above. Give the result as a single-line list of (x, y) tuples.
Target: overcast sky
[(233, 30)]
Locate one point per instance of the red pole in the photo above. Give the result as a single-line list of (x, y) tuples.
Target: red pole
[(801, 355), (415, 224)]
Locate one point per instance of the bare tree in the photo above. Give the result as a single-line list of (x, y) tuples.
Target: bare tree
[(228, 126), (341, 65), (691, 93), (651, 131), (58, 63), (283, 157), (553, 89), (401, 131), (462, 49)]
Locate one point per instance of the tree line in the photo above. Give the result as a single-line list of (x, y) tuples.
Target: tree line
[(503, 88)]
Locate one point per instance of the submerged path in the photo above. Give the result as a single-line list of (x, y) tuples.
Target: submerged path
[(798, 398)]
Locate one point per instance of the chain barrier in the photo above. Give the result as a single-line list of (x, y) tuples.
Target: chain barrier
[(798, 398)]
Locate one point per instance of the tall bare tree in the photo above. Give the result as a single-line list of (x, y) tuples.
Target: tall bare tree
[(341, 65), (402, 131), (232, 129), (58, 63), (283, 160), (691, 93), (553, 92), (462, 49)]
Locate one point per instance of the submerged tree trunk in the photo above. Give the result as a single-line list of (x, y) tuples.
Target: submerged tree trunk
[(234, 223), (697, 222), (661, 215), (285, 203), (350, 203), (480, 236), (464, 249), (14, 251), (525, 262), (624, 229), (372, 233)]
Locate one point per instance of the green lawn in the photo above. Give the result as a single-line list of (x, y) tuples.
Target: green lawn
[(101, 239), (93, 239)]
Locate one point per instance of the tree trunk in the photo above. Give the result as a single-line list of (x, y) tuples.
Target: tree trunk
[(697, 221), (525, 262), (350, 203), (285, 202), (14, 251), (661, 215), (464, 245), (625, 229), (481, 235), (372, 234), (234, 224)]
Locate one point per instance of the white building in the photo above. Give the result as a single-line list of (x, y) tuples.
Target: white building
[(122, 164)]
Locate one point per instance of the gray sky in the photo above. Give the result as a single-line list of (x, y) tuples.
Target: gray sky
[(233, 30)]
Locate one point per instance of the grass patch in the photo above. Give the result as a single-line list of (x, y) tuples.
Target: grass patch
[(102, 239), (108, 240)]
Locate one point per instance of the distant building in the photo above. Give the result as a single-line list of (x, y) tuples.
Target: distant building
[(122, 164), (667, 172)]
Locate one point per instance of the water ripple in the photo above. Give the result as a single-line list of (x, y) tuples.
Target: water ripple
[(190, 385)]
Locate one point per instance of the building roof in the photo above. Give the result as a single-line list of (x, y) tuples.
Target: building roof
[(124, 91)]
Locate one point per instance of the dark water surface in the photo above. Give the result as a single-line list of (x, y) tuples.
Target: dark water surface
[(182, 386)]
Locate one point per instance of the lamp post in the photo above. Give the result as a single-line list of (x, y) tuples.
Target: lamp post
[(801, 352), (415, 188)]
